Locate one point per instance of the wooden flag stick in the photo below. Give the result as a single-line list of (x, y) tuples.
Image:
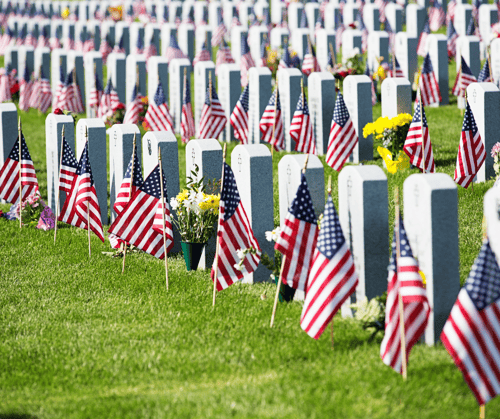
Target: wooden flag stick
[(163, 217), (400, 298), (129, 196), (210, 88), (88, 202), (20, 133), (283, 261), (329, 190), (482, 411), (460, 83), (393, 65), (419, 96), (59, 186), (216, 269), (488, 57)]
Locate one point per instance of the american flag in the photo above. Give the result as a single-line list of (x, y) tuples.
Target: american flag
[(298, 237), (343, 137), (82, 198), (126, 189), (246, 60), (30, 39), (72, 99), (57, 98), (45, 93), (203, 54), (223, 55), (54, 42), (120, 46), (471, 28), (429, 87), (9, 174), (397, 71), (6, 39), (151, 48), (452, 36), (365, 34), (450, 11), (471, 152), (187, 122), (89, 44), (139, 45), (485, 74), (5, 94), (418, 133), (406, 283), (319, 24), (381, 4), (373, 89), (285, 61), (239, 117), (220, 31), (303, 19), (25, 90), (67, 171), (339, 30), (35, 94), (213, 118), (105, 108), (134, 108), (173, 50), (310, 63), (271, 123), (332, 278), (437, 16), (301, 129), (43, 38), (235, 21), (158, 116), (96, 92), (234, 233), (471, 333), (464, 78), (422, 42), (105, 48), (140, 222)]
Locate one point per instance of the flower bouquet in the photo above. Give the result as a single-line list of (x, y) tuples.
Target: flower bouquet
[(116, 117), (495, 153), (353, 65), (33, 212), (371, 314)]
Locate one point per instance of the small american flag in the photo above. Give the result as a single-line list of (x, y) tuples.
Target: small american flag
[(89, 44), (30, 40), (422, 42), (464, 78), (220, 31), (472, 30), (223, 55), (158, 116), (43, 38), (429, 87), (263, 53), (187, 122), (246, 60), (126, 189), (173, 50), (25, 90), (485, 74), (332, 278), (120, 47), (82, 198), (471, 333), (303, 19), (134, 108), (285, 61), (418, 133), (234, 233), (301, 129), (213, 118), (381, 4), (69, 164), (139, 45), (105, 108), (452, 37), (397, 71), (239, 117), (271, 123), (310, 63), (45, 93), (9, 174), (57, 98), (96, 92), (71, 99), (5, 95), (437, 16), (137, 223), (343, 137), (151, 48), (105, 48), (298, 238), (405, 280), (203, 54), (471, 152)]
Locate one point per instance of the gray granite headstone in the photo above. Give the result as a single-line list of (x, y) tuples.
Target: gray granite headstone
[(431, 222), (116, 69), (299, 41), (42, 62), (203, 33), (378, 49), (332, 15), (136, 71), (93, 66), (289, 89), (363, 213), (396, 97), (259, 93), (170, 166), (207, 155), (75, 61), (203, 70), (256, 36), (312, 12), (438, 52), (406, 53), (176, 90), (11, 58), (8, 129), (358, 100), (26, 59), (229, 91), (469, 48), (488, 16), (294, 15), (97, 156), (58, 60), (121, 140), (186, 39), (157, 72), (253, 170), (321, 105)]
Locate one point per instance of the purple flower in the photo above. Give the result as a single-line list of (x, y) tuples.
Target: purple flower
[(495, 150)]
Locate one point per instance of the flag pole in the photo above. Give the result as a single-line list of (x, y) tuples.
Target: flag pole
[(460, 83), (419, 95), (482, 411), (129, 197), (20, 133), (274, 122), (488, 57), (393, 64), (59, 188), (329, 190), (216, 269), (88, 202), (400, 298), (278, 285), (163, 217)]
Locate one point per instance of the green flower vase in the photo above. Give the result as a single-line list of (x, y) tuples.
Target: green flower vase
[(192, 254)]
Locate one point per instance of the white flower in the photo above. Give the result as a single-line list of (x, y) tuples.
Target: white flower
[(273, 235), (238, 266), (174, 203), (240, 253)]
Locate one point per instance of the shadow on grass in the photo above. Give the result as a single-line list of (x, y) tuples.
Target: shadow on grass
[(17, 416)]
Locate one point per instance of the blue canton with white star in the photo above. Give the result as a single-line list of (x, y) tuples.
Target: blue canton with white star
[(302, 205), (244, 98), (229, 193), (465, 68), (187, 92), (160, 95), (137, 181), (340, 113), (273, 99), (68, 158), (109, 87), (416, 115), (483, 283), (404, 245), (84, 164), (469, 121), (485, 72), (25, 154), (302, 105), (152, 186), (330, 238), (427, 67), (98, 86), (244, 45), (208, 101)]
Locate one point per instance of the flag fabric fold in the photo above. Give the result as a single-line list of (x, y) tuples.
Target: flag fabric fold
[(187, 121), (158, 115), (67, 171), (134, 108), (429, 87), (271, 123), (301, 129), (213, 118), (239, 117), (130, 184)]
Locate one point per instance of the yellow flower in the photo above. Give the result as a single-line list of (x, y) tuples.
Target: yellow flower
[(368, 129), (182, 195), (65, 13), (403, 162), (380, 73), (423, 277)]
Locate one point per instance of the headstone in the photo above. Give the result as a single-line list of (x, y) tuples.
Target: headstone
[(58, 60), (488, 16), (166, 30), (167, 142), (200, 10), (364, 214), (371, 17), (97, 156), (207, 155), (277, 10), (495, 60), (136, 30), (484, 101), (325, 42), (53, 138), (176, 92), (228, 13), (438, 51), (121, 140), (122, 30), (253, 170), (406, 53), (259, 93), (237, 34), (11, 58), (491, 211), (321, 89), (279, 37), (116, 69), (214, 9), (463, 15), (378, 48), (468, 48), (75, 61), (415, 20), (394, 14), (152, 35), (8, 129), (431, 222), (108, 31), (26, 59), (229, 92), (203, 33), (299, 41), (203, 70), (351, 12), (256, 36), (396, 97), (294, 15), (68, 33), (357, 97), (332, 15), (186, 39), (42, 62), (157, 72), (136, 73), (289, 88), (351, 39), (93, 67), (312, 12)]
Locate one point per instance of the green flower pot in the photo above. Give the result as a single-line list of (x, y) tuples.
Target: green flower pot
[(192, 254)]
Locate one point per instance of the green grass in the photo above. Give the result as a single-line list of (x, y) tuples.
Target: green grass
[(80, 340)]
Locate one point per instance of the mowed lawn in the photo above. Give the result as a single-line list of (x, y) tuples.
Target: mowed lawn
[(78, 339)]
